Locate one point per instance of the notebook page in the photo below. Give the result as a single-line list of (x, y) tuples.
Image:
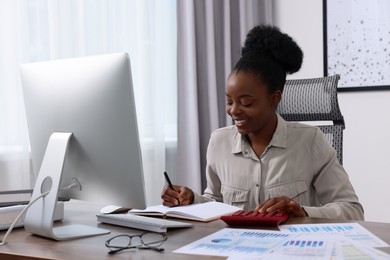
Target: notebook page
[(206, 211), (202, 211)]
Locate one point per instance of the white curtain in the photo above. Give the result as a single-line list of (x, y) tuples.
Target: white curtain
[(210, 35), (52, 29)]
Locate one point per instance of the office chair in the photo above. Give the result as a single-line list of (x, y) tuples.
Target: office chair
[(315, 100)]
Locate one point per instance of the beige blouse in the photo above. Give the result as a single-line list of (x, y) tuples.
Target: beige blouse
[(298, 163)]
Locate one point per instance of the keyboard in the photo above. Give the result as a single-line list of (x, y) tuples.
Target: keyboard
[(255, 219), (141, 222)]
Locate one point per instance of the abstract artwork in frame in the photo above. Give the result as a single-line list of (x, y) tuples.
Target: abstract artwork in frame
[(357, 43)]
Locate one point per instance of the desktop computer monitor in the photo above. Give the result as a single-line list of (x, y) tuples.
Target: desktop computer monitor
[(83, 128)]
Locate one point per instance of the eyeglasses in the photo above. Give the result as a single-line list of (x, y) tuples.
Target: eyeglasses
[(146, 240)]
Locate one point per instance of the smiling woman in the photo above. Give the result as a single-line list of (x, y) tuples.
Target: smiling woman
[(263, 162), (44, 30)]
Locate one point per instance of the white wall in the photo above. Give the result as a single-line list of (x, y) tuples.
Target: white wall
[(302, 20), (367, 135)]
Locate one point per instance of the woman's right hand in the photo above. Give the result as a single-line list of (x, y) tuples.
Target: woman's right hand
[(180, 196)]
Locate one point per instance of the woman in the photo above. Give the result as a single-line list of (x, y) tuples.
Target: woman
[(263, 162)]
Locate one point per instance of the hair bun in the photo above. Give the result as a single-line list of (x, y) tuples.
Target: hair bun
[(269, 41)]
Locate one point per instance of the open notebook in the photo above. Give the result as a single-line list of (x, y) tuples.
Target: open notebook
[(199, 212)]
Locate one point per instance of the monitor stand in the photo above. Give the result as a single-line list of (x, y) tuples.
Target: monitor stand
[(39, 217)]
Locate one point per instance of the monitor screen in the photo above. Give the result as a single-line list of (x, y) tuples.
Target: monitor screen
[(92, 98)]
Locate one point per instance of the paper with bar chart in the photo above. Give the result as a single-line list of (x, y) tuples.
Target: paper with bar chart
[(347, 249), (305, 247), (237, 242), (353, 231), (337, 241)]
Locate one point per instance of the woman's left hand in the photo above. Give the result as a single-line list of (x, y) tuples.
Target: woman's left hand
[(282, 203)]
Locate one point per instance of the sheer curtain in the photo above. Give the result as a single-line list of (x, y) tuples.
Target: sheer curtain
[(52, 29), (210, 35)]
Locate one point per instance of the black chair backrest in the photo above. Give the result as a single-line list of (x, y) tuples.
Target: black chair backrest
[(315, 100)]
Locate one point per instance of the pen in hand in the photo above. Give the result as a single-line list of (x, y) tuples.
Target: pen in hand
[(170, 184), (168, 181)]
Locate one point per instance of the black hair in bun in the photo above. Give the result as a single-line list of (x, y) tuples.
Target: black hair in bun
[(270, 54)]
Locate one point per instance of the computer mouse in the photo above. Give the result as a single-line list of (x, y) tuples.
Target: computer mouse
[(113, 209)]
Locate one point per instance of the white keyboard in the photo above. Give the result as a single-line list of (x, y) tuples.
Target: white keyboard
[(141, 222)]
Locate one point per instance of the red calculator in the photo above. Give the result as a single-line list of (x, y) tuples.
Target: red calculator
[(255, 219)]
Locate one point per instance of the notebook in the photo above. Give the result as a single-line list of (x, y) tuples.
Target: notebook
[(203, 212)]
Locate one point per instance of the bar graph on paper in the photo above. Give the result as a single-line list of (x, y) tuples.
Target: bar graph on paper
[(353, 231), (303, 247), (293, 242), (236, 242), (321, 229)]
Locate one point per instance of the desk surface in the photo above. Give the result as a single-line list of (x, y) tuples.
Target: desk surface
[(22, 245)]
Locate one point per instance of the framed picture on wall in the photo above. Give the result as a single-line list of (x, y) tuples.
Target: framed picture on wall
[(357, 43)]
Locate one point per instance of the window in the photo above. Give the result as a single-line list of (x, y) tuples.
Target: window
[(43, 30)]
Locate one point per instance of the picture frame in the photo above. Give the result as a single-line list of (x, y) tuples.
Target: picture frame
[(357, 43)]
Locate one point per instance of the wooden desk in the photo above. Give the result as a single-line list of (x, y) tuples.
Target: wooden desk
[(22, 245)]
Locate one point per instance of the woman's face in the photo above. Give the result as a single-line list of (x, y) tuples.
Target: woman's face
[(249, 102)]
